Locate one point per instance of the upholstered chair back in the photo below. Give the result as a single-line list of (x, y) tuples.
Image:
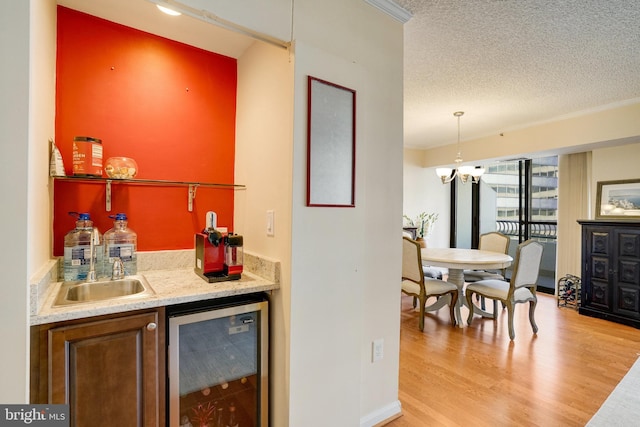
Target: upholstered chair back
[(527, 264), (411, 261)]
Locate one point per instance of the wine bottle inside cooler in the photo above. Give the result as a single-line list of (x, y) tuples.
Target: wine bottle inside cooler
[(218, 416), (233, 420)]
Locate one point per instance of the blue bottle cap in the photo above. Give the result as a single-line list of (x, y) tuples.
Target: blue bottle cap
[(119, 216), (83, 216)]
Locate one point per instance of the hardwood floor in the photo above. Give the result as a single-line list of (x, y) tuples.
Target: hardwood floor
[(474, 376)]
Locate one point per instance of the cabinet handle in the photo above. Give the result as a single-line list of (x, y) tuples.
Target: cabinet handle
[(151, 326)]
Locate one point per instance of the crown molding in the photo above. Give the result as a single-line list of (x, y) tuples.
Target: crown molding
[(392, 9)]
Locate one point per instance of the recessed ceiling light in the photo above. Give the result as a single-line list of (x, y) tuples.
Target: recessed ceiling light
[(168, 11)]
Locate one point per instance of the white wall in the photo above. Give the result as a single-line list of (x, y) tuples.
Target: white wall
[(345, 262), (14, 178), (264, 148), (27, 41), (424, 192), (615, 126), (341, 289), (612, 164), (41, 129)]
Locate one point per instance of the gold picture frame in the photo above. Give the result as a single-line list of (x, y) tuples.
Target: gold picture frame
[(618, 199)]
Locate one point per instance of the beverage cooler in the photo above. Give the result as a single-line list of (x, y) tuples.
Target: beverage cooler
[(218, 363)]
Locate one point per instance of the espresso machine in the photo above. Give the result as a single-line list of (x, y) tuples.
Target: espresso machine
[(219, 254)]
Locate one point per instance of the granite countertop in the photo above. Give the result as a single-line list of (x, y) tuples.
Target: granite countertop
[(171, 286)]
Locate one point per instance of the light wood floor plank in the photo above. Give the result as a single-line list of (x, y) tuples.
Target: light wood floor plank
[(475, 376)]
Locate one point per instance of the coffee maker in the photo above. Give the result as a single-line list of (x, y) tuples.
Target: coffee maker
[(219, 254)]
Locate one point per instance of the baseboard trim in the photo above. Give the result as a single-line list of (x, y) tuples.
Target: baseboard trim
[(382, 416)]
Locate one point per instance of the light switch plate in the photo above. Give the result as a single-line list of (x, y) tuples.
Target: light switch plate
[(377, 350), (270, 222)]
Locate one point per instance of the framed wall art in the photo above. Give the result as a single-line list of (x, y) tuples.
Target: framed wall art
[(618, 199), (331, 144)]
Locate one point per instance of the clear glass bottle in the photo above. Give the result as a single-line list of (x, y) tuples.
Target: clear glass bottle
[(218, 416), (233, 421), (77, 249), (121, 242)]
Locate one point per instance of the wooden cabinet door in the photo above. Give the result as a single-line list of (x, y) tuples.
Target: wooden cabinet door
[(626, 278), (108, 371), (597, 268)]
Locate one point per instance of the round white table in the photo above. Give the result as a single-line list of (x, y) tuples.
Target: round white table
[(457, 260)]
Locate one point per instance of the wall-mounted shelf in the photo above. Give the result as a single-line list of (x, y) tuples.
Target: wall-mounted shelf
[(193, 186)]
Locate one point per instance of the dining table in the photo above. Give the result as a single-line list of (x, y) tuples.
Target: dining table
[(456, 260)]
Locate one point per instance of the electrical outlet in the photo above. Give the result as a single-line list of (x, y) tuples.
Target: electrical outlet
[(377, 350), (270, 223)]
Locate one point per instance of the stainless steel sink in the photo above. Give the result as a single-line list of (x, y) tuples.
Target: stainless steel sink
[(82, 292)]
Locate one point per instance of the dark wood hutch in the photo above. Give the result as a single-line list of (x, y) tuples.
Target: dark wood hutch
[(611, 270)]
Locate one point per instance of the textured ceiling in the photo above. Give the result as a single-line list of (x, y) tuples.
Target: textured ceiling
[(512, 63)]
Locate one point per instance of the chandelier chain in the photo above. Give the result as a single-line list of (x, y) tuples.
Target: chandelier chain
[(463, 172)]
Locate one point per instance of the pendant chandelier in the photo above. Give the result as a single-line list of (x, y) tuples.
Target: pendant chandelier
[(463, 172)]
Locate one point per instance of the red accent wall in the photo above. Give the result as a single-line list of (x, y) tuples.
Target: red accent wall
[(169, 106)]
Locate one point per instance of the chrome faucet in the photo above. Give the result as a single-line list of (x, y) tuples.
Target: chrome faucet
[(117, 270), (93, 242)]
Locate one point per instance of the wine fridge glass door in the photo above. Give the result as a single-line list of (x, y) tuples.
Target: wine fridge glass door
[(218, 367)]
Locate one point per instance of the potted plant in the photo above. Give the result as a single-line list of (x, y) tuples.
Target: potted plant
[(423, 223)]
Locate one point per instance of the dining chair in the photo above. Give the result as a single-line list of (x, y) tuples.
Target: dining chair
[(494, 242), (521, 288), (415, 284), (428, 271)]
